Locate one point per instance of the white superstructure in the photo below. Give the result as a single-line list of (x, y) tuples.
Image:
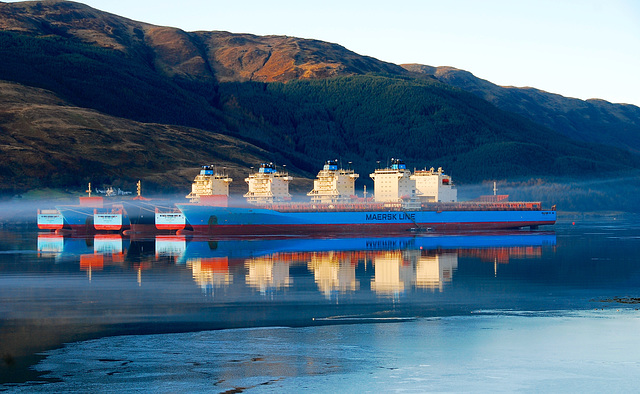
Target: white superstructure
[(333, 184), (393, 184), (268, 185), (396, 183), (209, 183), (434, 186), (50, 219)]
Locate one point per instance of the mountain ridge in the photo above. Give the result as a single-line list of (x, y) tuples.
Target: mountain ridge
[(232, 57), (593, 120)]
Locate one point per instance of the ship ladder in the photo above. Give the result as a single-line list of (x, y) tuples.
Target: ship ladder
[(418, 228)]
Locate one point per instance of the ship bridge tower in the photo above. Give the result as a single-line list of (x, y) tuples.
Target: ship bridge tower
[(435, 186), (393, 184), (268, 185), (333, 184), (209, 182)]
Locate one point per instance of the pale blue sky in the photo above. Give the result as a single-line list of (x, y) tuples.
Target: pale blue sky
[(576, 48)]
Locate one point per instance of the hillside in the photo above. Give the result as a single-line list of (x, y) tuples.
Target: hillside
[(89, 95), (593, 120), (364, 119), (199, 55), (46, 142)]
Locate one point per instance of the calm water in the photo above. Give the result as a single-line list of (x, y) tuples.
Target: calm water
[(506, 311)]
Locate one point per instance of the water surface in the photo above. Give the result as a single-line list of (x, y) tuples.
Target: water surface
[(501, 310)]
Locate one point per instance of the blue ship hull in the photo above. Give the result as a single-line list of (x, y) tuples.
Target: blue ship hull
[(138, 215), (214, 220), (80, 218)]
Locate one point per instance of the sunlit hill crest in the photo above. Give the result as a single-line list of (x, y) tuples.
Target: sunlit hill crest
[(217, 54)]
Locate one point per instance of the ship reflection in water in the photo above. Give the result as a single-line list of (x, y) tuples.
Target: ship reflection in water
[(385, 267), (335, 272)]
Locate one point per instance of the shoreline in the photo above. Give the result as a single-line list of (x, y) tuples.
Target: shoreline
[(554, 338)]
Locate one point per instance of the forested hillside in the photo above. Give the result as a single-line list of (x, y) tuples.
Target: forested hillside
[(583, 120), (368, 118)]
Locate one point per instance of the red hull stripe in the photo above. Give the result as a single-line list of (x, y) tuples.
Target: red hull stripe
[(107, 227), (49, 226), (170, 226)]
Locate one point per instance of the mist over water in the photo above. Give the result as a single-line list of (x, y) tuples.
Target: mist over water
[(21, 211), (616, 193), (24, 211)]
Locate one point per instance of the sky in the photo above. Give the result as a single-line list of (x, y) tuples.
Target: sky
[(576, 48)]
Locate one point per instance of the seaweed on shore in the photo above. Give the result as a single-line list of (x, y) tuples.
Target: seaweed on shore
[(621, 300)]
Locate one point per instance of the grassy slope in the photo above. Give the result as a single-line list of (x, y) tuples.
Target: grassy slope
[(45, 142)]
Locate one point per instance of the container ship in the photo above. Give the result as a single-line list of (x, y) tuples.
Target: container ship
[(113, 213), (91, 214), (425, 200)]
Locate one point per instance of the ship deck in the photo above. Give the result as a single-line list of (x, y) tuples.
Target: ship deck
[(403, 207)]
